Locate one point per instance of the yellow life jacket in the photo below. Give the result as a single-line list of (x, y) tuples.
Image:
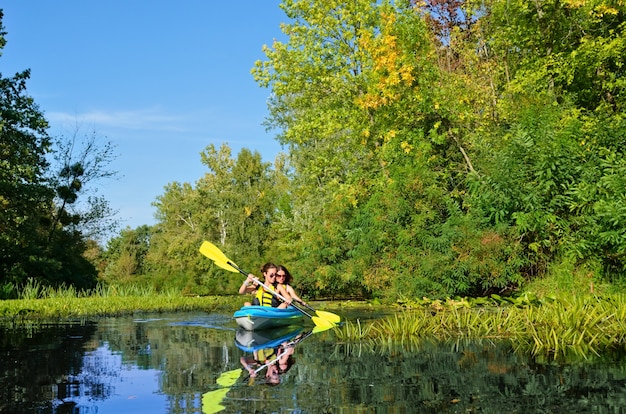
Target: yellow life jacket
[(266, 355), (265, 297)]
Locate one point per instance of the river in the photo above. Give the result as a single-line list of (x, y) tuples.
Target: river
[(171, 363)]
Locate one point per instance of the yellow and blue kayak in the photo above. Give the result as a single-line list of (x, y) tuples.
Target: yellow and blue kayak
[(255, 318)]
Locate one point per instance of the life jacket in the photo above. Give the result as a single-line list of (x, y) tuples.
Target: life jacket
[(265, 298), (265, 355), (276, 301)]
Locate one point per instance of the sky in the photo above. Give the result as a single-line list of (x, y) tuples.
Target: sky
[(160, 80)]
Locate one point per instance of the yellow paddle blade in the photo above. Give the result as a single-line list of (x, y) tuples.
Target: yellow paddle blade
[(213, 252), (329, 316), (322, 323), (225, 266), (318, 329), (212, 401), (229, 378)]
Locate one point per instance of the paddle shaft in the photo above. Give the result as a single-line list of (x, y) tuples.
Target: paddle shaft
[(219, 258), (272, 362)]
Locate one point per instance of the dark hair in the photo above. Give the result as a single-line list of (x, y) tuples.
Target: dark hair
[(267, 266), (288, 277), (275, 381), (289, 363)]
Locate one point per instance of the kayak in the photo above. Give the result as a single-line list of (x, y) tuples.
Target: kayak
[(254, 318), (251, 341)]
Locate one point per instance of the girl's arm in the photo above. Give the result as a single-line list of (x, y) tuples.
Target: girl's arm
[(283, 292), (293, 295), (248, 285), (248, 366)]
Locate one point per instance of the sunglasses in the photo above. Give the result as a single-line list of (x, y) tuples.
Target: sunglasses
[(281, 275)]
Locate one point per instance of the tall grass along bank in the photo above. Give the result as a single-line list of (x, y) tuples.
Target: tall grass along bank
[(38, 302), (563, 328)]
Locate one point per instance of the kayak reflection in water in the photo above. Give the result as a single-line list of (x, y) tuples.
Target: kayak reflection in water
[(277, 360)]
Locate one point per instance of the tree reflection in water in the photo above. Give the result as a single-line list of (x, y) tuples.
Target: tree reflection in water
[(165, 364)]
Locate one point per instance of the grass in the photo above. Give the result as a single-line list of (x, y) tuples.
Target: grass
[(38, 302), (564, 328)]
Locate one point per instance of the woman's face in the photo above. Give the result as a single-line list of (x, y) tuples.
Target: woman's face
[(271, 376), (280, 276), (270, 275)]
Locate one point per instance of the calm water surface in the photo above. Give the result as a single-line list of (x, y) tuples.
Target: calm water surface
[(166, 363)]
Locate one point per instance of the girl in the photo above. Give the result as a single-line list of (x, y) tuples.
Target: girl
[(265, 297), (284, 278)]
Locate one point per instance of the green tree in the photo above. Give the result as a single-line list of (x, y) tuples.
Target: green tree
[(43, 231), (126, 255), (231, 205), (316, 79), (550, 158), (25, 197)]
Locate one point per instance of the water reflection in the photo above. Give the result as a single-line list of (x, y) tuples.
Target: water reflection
[(165, 363), (269, 351)]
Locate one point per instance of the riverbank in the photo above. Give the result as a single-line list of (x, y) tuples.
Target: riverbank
[(16, 310), (563, 326)]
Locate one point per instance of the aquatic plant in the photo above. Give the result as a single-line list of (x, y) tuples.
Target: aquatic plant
[(42, 302), (569, 327)]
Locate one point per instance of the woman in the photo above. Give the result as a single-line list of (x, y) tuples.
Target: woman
[(259, 359), (284, 278), (265, 297)]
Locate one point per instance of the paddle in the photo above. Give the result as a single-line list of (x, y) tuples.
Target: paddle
[(219, 258), (332, 317), (212, 400)]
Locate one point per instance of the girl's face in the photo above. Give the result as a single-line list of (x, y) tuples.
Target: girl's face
[(270, 275), (280, 276), (271, 376)]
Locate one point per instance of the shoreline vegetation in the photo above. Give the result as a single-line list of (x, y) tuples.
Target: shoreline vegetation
[(550, 327), (564, 328), (43, 303)]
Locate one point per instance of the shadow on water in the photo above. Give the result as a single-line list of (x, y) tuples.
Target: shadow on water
[(166, 363)]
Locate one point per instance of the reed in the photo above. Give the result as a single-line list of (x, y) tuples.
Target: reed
[(37, 302), (564, 328), (353, 331)]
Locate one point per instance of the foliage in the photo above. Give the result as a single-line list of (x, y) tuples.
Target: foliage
[(232, 205), (80, 164), (44, 232), (434, 149), (41, 302), (565, 328), (25, 197), (438, 149)]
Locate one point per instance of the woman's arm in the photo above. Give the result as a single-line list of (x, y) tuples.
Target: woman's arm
[(280, 289), (248, 366), (293, 295), (248, 285)]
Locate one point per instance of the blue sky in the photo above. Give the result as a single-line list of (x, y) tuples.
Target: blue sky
[(159, 79)]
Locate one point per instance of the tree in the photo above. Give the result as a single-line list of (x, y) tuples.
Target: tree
[(25, 197), (80, 164), (44, 225), (125, 254), (316, 79), (231, 205), (551, 159)]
